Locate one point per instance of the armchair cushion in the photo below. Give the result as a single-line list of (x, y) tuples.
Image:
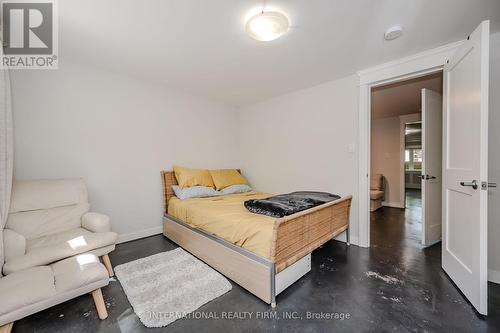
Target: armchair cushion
[(78, 271), (37, 288), (19, 290), (96, 222), (48, 249), (37, 223), (28, 195), (375, 195), (14, 244)]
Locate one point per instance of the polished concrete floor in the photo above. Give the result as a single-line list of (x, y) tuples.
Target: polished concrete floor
[(395, 286), (400, 225)]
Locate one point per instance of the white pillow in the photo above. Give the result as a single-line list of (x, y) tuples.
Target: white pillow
[(233, 189), (194, 192)]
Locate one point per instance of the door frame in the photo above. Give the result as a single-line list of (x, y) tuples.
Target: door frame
[(418, 65)]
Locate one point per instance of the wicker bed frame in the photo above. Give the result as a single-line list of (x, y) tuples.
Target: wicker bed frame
[(294, 238)]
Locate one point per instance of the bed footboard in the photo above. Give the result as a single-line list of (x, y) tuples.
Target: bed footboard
[(297, 235)]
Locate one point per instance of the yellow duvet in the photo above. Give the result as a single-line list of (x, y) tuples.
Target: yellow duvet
[(227, 217)]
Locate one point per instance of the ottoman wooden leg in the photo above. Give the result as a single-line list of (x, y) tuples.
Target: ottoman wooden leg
[(107, 263), (6, 328), (102, 312)]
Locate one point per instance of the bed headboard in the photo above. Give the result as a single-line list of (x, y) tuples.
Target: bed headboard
[(168, 179)]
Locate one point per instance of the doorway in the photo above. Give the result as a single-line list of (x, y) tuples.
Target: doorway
[(397, 155), (465, 183)]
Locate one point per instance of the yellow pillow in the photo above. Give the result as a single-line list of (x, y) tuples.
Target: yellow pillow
[(187, 177), (227, 177)]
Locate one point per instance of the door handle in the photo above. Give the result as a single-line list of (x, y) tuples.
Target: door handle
[(427, 177), (472, 184)]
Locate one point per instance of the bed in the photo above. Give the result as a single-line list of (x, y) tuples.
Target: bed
[(262, 254)]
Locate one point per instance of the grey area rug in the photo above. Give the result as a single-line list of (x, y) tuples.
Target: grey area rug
[(168, 286)]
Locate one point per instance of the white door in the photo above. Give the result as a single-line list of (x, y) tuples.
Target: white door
[(465, 167), (432, 131)]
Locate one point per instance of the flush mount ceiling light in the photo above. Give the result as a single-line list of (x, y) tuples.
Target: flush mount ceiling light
[(267, 26), (393, 32)]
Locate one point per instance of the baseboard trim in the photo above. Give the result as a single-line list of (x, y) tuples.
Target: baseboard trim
[(139, 234), (494, 276), (392, 204)]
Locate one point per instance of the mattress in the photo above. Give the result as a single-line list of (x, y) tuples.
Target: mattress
[(226, 217)]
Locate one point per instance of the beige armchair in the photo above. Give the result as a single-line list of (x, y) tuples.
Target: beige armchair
[(49, 220), (376, 191)]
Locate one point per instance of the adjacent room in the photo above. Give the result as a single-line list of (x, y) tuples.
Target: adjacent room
[(404, 187), (248, 166)]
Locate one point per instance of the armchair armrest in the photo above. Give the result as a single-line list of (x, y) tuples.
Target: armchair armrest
[(96, 222), (14, 244)]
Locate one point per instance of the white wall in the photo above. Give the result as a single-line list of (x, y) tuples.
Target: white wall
[(117, 133), (386, 157), (494, 160), (300, 141)]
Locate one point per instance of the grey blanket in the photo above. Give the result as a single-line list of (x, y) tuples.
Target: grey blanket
[(288, 204)]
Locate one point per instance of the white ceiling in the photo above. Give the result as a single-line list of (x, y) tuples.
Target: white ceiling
[(403, 97), (200, 46)]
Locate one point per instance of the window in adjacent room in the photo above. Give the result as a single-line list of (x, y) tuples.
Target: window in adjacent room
[(413, 159)]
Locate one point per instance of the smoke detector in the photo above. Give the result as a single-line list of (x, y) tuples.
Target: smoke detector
[(393, 32)]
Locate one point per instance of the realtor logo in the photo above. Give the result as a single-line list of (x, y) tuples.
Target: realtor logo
[(29, 34)]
